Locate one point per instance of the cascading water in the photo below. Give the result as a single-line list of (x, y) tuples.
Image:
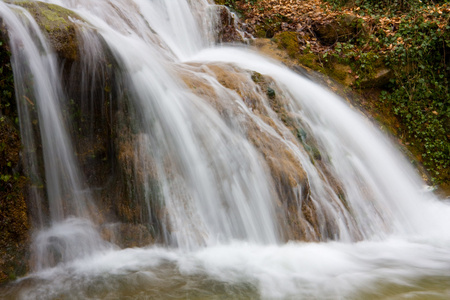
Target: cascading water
[(220, 156), (67, 197)]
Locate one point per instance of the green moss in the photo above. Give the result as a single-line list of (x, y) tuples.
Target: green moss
[(53, 16), (309, 60), (221, 2), (49, 15), (14, 223), (316, 153), (7, 98), (288, 40), (338, 72), (56, 23), (257, 77), (269, 27), (261, 33)]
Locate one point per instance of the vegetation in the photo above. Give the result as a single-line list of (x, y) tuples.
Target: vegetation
[(13, 210), (419, 93), (413, 40), (398, 50), (7, 101)]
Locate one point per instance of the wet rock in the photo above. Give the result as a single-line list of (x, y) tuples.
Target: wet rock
[(228, 27), (127, 235), (296, 211), (14, 223), (55, 250), (59, 25)]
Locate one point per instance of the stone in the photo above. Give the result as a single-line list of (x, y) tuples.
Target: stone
[(228, 30), (59, 26), (336, 30), (380, 78)]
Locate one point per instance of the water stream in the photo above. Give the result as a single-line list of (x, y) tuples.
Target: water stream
[(253, 181)]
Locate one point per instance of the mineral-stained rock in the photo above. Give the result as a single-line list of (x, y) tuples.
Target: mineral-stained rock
[(296, 211)]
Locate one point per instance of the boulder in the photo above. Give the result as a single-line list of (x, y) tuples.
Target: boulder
[(341, 29), (59, 25), (379, 78)]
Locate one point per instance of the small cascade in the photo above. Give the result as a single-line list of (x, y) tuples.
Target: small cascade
[(366, 170), (164, 162), (48, 146), (35, 62)]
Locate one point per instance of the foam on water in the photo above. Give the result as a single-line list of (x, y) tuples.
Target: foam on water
[(242, 270)]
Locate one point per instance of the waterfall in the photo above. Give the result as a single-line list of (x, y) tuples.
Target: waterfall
[(164, 164), (66, 194)]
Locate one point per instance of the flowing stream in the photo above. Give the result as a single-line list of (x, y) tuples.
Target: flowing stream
[(252, 181)]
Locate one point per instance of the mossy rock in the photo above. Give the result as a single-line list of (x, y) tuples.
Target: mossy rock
[(7, 95), (267, 29), (57, 23), (379, 78), (221, 2), (310, 60), (288, 40), (14, 224), (341, 29)]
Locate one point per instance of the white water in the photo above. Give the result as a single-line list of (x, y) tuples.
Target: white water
[(361, 156), (225, 239), (242, 271), (63, 180)]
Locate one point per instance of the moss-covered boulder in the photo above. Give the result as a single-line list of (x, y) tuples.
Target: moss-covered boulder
[(378, 78), (340, 29), (59, 25)]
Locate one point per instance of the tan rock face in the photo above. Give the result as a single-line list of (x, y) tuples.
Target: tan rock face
[(113, 164), (267, 107)]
